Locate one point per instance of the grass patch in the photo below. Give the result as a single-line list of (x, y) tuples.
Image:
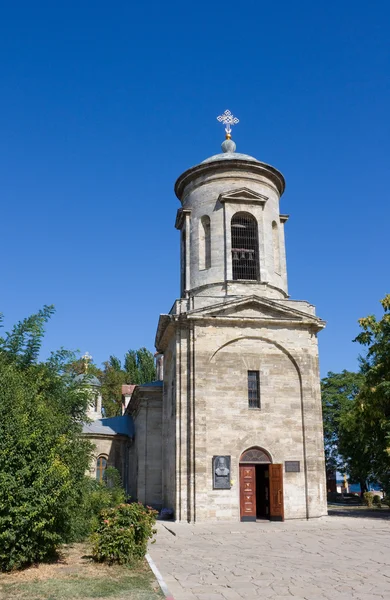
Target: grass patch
[(76, 577)]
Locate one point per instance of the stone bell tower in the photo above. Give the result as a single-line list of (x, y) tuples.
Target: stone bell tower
[(220, 258), (242, 424)]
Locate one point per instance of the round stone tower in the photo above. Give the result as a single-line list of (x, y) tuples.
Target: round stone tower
[(232, 232)]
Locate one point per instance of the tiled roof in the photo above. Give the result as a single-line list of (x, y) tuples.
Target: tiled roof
[(128, 389)]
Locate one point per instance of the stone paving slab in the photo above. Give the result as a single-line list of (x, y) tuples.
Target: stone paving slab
[(329, 558)]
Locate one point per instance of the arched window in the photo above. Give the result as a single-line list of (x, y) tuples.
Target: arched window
[(101, 466), (255, 456), (245, 247), (276, 249), (204, 243)]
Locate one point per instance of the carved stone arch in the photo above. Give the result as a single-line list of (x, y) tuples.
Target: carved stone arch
[(250, 441), (298, 370), (256, 455), (263, 339)]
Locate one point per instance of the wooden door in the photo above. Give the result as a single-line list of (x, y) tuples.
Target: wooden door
[(276, 507), (247, 493)]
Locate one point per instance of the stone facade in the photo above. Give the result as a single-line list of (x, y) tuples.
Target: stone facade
[(115, 448), (145, 461), (111, 437), (225, 326)]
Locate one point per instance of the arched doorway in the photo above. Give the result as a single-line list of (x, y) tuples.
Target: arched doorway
[(261, 486)]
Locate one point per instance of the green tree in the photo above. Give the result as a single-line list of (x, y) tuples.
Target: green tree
[(112, 379), (355, 453), (115, 363), (372, 406), (131, 367), (78, 367), (338, 391), (138, 367), (43, 457)]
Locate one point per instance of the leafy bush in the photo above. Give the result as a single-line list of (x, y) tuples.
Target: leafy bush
[(42, 465), (377, 500), (42, 455), (123, 532), (95, 497), (368, 498)]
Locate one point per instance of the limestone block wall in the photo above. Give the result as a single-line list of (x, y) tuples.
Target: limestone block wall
[(202, 200), (169, 439), (94, 411), (147, 452), (116, 449), (213, 417)]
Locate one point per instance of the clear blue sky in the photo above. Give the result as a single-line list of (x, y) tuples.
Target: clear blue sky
[(103, 105)]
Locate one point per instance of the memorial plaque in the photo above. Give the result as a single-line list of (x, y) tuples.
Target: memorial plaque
[(292, 466), (221, 472)]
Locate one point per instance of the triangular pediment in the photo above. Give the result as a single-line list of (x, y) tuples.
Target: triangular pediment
[(254, 308), (243, 195)]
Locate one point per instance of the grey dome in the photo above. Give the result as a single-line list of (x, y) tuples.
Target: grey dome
[(220, 162), (91, 380), (229, 153), (230, 156)]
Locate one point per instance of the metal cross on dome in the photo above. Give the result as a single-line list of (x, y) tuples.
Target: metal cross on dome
[(86, 358), (228, 120)]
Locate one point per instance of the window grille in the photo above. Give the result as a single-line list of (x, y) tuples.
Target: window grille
[(245, 247), (254, 389)]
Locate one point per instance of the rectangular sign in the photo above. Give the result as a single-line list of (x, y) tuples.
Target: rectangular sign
[(221, 473), (292, 466)]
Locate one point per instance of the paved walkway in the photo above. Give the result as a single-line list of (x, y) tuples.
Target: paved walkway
[(333, 558)]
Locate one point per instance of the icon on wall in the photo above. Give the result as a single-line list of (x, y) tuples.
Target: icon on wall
[(221, 473)]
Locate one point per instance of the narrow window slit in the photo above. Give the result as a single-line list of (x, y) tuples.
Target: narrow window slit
[(253, 389)]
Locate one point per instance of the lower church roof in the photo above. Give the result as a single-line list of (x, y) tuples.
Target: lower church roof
[(157, 383), (122, 425)]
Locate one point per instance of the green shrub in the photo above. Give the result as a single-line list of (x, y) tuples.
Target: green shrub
[(96, 496), (368, 498), (377, 500), (123, 533), (42, 464)]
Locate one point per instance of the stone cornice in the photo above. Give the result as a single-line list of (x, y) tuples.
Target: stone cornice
[(278, 315), (259, 168), (107, 436), (180, 217), (277, 311), (307, 323)]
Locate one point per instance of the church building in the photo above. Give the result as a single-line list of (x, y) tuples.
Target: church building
[(234, 430)]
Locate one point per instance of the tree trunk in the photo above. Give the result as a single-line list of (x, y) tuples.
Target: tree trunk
[(363, 486)]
